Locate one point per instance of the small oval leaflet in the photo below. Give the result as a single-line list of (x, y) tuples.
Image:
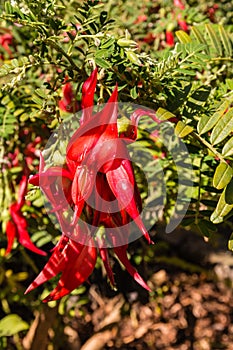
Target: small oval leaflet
[(222, 175)]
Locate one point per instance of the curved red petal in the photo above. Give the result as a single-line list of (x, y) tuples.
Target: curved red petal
[(55, 264), (11, 234), (122, 255), (104, 256), (77, 270), (88, 91), (103, 124)]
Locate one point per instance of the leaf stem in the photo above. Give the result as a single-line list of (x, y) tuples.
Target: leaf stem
[(209, 146), (60, 49)]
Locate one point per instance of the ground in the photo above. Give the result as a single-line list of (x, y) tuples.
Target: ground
[(189, 310)]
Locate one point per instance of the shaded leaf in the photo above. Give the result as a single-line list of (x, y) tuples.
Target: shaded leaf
[(206, 227), (230, 242), (229, 193)]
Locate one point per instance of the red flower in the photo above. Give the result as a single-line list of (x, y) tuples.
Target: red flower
[(97, 182), (179, 4), (68, 102), (182, 24), (140, 19), (6, 40), (170, 38), (17, 226)]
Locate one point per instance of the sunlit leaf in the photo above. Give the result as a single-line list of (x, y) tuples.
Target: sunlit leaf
[(182, 130), (12, 324), (223, 128), (225, 40), (214, 39), (183, 37), (228, 148), (206, 123), (221, 210), (222, 175), (163, 114)]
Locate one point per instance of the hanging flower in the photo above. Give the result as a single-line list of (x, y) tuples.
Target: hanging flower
[(68, 102), (170, 41), (6, 40), (97, 181), (16, 227)]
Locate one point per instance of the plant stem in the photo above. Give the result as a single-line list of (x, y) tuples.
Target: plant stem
[(209, 146), (60, 49)]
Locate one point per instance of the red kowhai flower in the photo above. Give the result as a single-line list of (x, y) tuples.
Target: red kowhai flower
[(182, 23), (211, 12), (179, 4), (16, 227), (140, 19), (170, 41), (97, 182), (6, 40), (68, 102)]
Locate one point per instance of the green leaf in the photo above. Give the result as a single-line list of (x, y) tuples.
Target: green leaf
[(229, 193), (206, 123), (214, 39), (41, 93), (102, 63), (132, 56), (123, 42), (108, 43), (38, 100), (223, 128), (228, 148), (221, 210), (12, 324), (9, 8), (103, 53), (133, 92), (163, 114), (206, 227), (200, 37), (182, 130), (225, 40), (183, 37), (222, 175)]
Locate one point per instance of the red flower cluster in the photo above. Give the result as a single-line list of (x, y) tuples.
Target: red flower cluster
[(97, 181)]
